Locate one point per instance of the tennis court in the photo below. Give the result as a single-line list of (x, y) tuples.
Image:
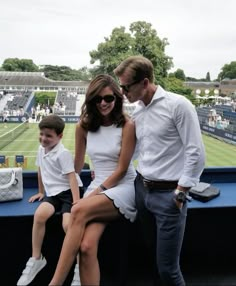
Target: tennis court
[(218, 153)]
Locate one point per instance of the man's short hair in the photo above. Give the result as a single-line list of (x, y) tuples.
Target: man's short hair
[(138, 67)]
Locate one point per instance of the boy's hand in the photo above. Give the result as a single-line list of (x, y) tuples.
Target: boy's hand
[(75, 202), (37, 197)]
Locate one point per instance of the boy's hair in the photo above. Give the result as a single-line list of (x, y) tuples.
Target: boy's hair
[(54, 122)]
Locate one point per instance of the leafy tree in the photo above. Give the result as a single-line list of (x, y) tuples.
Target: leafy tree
[(57, 72), (45, 97), (179, 73), (148, 44), (64, 73), (84, 73), (15, 64), (142, 40), (176, 85), (191, 79), (228, 71), (110, 53)]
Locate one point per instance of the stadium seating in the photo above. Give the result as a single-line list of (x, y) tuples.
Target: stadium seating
[(20, 161), (65, 103), (4, 163), (19, 101)]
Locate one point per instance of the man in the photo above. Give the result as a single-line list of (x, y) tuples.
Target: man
[(170, 159)]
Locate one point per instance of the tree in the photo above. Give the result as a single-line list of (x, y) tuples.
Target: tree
[(65, 73), (179, 73), (110, 53), (62, 73), (148, 44), (208, 78), (84, 73), (142, 40), (45, 97), (15, 64), (176, 85), (57, 72), (228, 71)]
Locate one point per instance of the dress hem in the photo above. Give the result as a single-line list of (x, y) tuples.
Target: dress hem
[(121, 211)]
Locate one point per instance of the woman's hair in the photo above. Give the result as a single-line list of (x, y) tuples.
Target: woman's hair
[(91, 119)]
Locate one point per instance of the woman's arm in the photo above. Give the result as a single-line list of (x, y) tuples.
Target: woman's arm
[(80, 147), (74, 187)]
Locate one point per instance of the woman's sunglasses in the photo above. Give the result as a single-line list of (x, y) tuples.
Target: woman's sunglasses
[(107, 98)]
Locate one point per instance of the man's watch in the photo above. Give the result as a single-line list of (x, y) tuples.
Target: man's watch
[(181, 196)]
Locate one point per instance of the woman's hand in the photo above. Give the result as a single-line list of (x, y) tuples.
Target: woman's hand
[(94, 192)]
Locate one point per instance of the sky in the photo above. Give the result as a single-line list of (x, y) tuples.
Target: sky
[(201, 33)]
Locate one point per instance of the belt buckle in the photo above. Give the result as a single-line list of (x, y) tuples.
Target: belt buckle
[(147, 183)]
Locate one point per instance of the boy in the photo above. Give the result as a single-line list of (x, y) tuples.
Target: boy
[(57, 178)]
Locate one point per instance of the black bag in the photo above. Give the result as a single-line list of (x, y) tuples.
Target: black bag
[(204, 192)]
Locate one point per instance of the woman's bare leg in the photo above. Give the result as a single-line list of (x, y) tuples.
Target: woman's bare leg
[(89, 266), (99, 208)]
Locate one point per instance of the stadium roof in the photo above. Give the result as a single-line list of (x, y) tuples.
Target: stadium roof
[(34, 79)]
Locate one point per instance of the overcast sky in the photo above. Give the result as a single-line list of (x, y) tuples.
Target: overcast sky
[(201, 33)]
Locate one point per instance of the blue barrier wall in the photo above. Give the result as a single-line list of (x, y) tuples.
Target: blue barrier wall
[(229, 136), (125, 250)]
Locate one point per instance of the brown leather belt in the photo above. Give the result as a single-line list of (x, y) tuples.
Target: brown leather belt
[(163, 185)]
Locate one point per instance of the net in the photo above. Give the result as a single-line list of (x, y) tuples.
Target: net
[(8, 137)]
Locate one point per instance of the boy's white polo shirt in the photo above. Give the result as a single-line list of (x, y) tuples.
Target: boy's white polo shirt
[(54, 166)]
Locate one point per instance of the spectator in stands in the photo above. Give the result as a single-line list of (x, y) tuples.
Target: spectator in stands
[(5, 118), (33, 115), (38, 115), (109, 137), (56, 178), (170, 159)]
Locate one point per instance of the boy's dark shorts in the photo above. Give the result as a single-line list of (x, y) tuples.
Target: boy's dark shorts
[(61, 202)]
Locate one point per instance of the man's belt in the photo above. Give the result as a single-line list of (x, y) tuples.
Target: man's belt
[(163, 185)]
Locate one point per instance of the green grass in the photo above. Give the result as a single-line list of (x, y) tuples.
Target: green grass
[(218, 153), (27, 144)]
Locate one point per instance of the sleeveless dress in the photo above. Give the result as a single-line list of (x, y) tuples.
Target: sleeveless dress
[(103, 148)]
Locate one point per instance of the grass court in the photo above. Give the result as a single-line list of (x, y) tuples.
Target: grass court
[(218, 153)]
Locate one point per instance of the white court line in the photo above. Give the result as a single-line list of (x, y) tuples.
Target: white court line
[(24, 151), (24, 155), (36, 140), (20, 151)]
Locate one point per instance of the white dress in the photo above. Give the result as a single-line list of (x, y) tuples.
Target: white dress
[(103, 148)]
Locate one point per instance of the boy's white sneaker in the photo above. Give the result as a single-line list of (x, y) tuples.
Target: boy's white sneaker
[(76, 278), (33, 266)]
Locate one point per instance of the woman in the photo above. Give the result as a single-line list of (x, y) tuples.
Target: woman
[(108, 137)]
